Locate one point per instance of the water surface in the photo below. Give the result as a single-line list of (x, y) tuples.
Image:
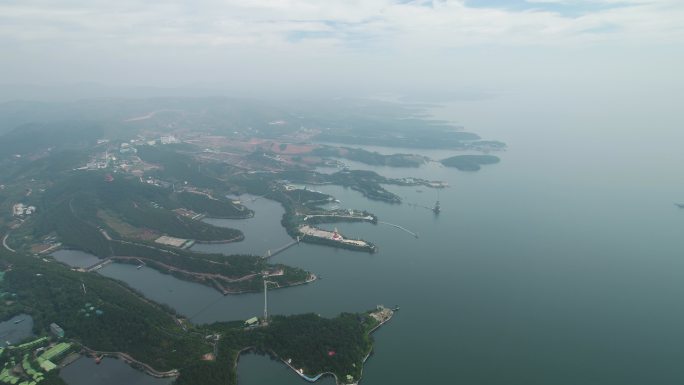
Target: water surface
[(14, 332), (75, 258), (560, 265), (110, 371), (262, 231)]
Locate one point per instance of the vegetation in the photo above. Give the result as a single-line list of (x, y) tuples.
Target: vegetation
[(104, 315), (371, 158), (102, 215), (32, 137), (51, 293), (212, 207), (177, 167), (71, 209), (469, 162), (312, 343), (367, 183), (318, 344), (216, 270)]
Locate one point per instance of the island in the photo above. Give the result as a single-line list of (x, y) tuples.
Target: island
[(134, 181), (96, 316), (470, 162)]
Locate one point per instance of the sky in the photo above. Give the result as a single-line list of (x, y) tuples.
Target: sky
[(443, 48)]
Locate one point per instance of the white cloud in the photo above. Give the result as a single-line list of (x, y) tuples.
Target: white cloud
[(439, 24), (320, 42)]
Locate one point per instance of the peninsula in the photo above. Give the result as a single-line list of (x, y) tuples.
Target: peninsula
[(132, 186)]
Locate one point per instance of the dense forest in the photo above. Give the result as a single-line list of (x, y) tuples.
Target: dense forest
[(104, 314), (371, 158), (212, 207), (469, 162), (177, 167), (51, 293), (318, 344), (73, 210)]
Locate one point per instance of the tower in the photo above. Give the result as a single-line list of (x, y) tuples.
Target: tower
[(265, 300), (266, 282)]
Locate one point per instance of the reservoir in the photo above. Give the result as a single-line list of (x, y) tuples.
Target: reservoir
[(262, 232), (560, 265), (110, 371), (16, 329)]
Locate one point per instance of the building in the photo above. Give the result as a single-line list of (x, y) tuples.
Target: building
[(252, 321), (20, 210), (169, 139), (57, 330)]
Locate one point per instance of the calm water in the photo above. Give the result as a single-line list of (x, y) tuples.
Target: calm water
[(75, 258), (16, 332), (262, 232), (110, 371), (560, 265), (260, 370)]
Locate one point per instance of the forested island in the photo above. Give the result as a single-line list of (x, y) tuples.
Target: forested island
[(470, 162), (371, 158), (103, 315), (132, 183)]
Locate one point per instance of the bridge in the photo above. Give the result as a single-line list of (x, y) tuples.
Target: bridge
[(279, 250), (99, 265)]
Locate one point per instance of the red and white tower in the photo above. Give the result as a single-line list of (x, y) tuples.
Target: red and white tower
[(336, 236)]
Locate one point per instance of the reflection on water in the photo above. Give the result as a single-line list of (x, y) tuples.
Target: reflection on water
[(262, 232), (16, 329), (202, 304), (75, 258), (110, 371), (261, 370), (548, 268)]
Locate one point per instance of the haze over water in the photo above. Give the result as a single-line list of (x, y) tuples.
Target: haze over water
[(560, 265)]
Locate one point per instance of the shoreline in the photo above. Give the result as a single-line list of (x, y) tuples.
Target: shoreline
[(337, 380), (239, 238), (125, 357)]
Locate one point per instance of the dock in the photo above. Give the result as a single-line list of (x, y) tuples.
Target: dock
[(400, 228)]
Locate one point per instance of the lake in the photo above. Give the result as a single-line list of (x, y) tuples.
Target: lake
[(16, 329), (110, 371), (560, 265), (262, 232)]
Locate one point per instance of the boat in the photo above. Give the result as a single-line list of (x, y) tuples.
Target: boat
[(19, 321), (98, 359), (140, 266)]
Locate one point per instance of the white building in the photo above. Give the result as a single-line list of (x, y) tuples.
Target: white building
[(20, 210), (168, 139)]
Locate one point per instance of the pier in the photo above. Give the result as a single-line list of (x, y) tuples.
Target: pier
[(400, 228)]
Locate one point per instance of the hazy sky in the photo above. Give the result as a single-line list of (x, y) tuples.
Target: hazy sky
[(371, 46)]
